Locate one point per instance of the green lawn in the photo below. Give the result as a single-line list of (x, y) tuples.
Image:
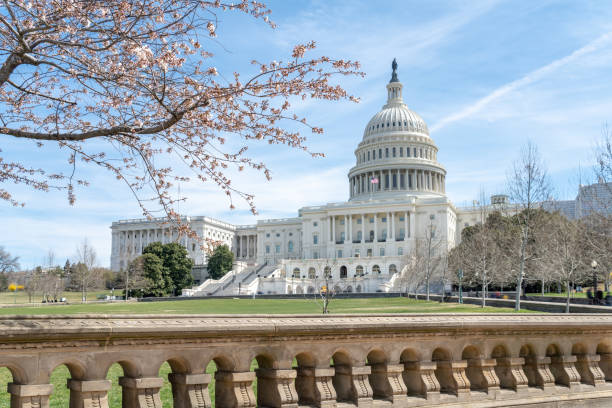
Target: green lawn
[(259, 306), (21, 297)]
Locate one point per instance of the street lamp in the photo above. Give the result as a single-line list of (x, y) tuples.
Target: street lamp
[(594, 266), (460, 275)]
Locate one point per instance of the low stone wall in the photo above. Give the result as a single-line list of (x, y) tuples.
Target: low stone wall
[(450, 360), (548, 307)]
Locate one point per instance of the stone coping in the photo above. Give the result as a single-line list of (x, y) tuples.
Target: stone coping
[(26, 328)]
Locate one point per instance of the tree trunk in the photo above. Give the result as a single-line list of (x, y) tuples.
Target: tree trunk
[(519, 280), (427, 287), (567, 298), (484, 296), (542, 287)]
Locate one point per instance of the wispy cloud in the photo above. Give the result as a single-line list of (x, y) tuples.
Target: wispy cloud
[(528, 79)]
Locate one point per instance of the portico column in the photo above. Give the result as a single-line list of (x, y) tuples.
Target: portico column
[(345, 229), (333, 220), (412, 224), (406, 226), (350, 228), (392, 226), (388, 227), (362, 228), (375, 228)]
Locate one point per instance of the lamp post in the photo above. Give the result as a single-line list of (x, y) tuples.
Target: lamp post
[(594, 266), (460, 275)]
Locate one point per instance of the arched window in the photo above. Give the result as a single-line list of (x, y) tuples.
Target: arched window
[(392, 269), (359, 270), (296, 273), (376, 269), (343, 272), (312, 273), (327, 271)]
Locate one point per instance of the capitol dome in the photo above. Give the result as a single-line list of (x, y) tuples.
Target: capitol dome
[(396, 156)]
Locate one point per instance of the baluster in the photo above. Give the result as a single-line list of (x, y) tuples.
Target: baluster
[(387, 383), (605, 364), (234, 389), (482, 376), (537, 370), (30, 395), (511, 374), (351, 384), (277, 388), (190, 390), (420, 379), (314, 386), (588, 369), (88, 394), (564, 371), (452, 378), (141, 392)]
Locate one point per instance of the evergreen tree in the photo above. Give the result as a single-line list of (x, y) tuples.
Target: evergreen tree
[(220, 262), (175, 261), (159, 282)]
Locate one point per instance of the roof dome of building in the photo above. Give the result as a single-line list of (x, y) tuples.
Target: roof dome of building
[(395, 116), (396, 158)]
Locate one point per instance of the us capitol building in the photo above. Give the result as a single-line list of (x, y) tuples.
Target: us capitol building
[(397, 198)]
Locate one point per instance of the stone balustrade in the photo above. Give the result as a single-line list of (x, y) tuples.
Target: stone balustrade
[(475, 360)]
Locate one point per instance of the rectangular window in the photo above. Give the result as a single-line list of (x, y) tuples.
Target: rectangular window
[(359, 221), (414, 152), (421, 153), (371, 220), (339, 253), (342, 221), (267, 249), (387, 152), (394, 152), (278, 249), (400, 251), (401, 234), (368, 156), (384, 219), (369, 251), (380, 153), (342, 236), (315, 224), (356, 253), (315, 255), (315, 239), (382, 251), (401, 218)]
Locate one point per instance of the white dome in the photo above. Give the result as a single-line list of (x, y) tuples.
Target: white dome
[(395, 116)]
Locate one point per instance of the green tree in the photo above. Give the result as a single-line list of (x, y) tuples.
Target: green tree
[(158, 280), (175, 260), (220, 262)]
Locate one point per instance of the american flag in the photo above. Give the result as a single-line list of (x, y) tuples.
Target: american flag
[(374, 180)]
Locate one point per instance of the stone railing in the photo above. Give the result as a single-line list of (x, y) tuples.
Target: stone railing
[(480, 360)]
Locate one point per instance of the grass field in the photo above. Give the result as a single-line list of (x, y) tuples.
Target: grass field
[(259, 306), (21, 297)]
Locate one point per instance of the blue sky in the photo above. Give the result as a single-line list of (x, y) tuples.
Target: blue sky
[(485, 75)]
